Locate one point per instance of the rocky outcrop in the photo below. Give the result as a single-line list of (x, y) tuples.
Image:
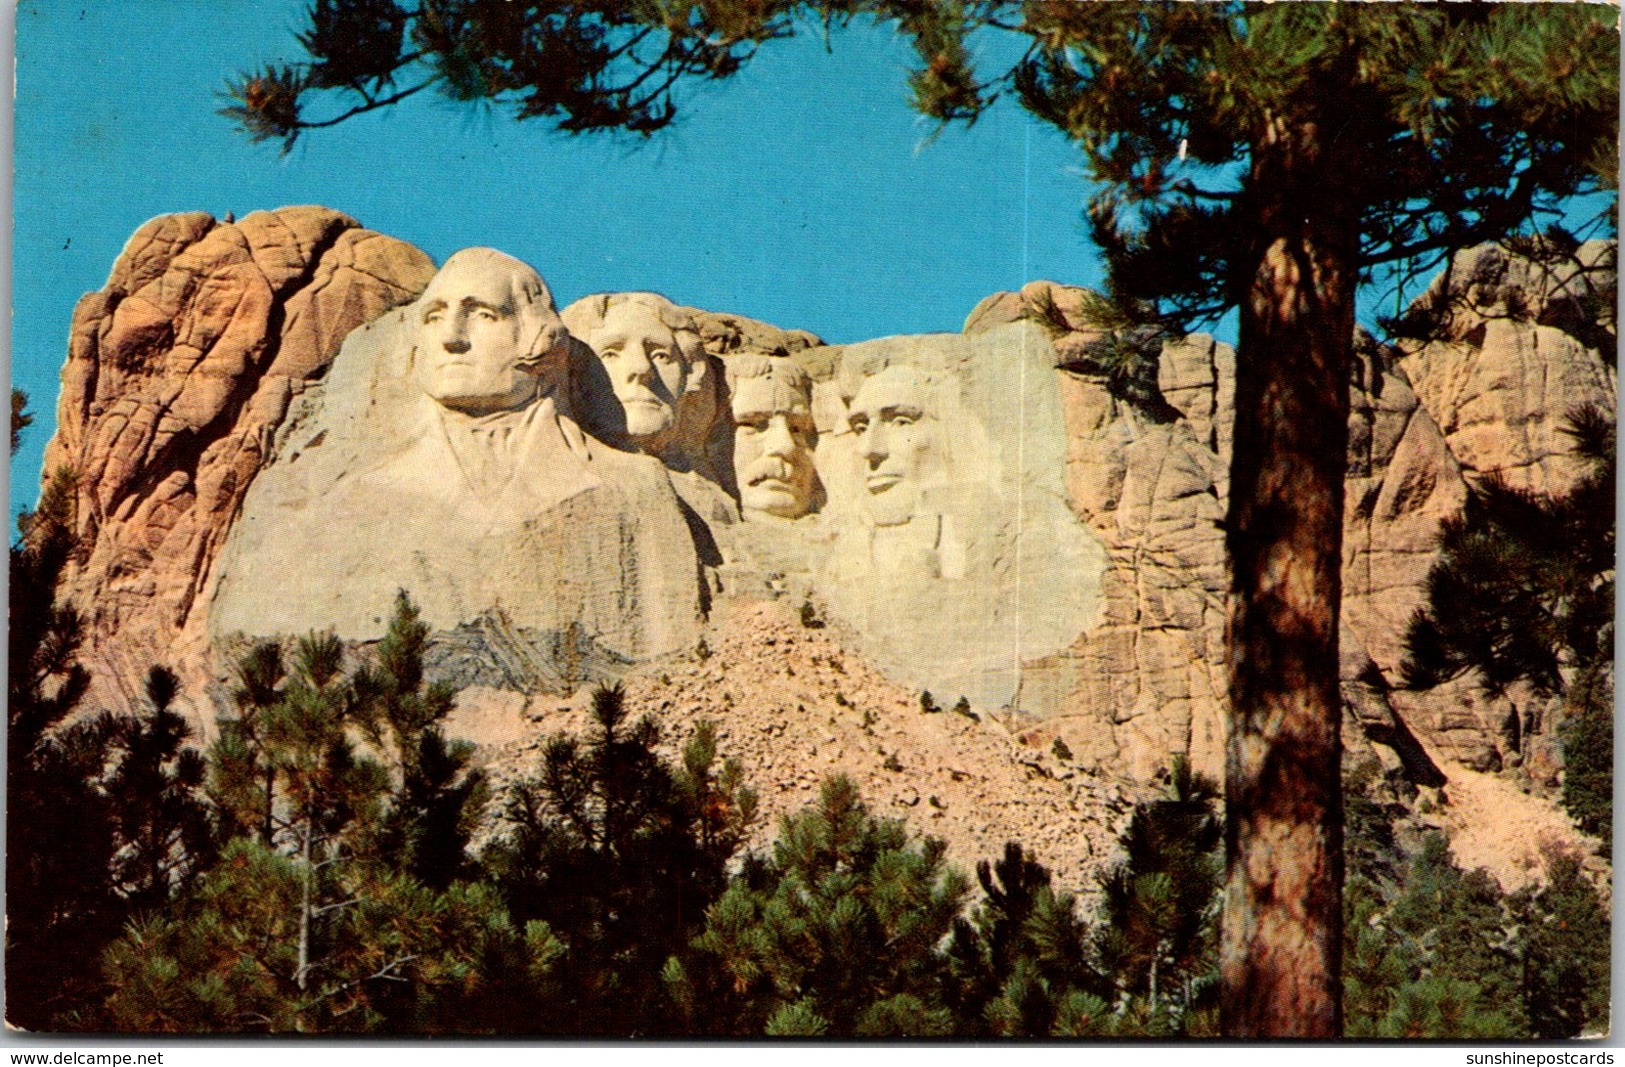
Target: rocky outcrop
[(1507, 347), (1147, 681), (1147, 469), (1502, 349), (793, 704), (179, 371)]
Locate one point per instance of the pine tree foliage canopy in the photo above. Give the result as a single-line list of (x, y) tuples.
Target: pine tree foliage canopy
[(1524, 586), (1463, 122), (1025, 963), (1449, 126), (337, 906), (592, 66), (1587, 735), (105, 818), (60, 903), (1021, 958), (1523, 591), (1435, 952), (1158, 917), (21, 418), (396, 956), (440, 794), (1566, 954), (620, 853), (836, 934), (164, 830)]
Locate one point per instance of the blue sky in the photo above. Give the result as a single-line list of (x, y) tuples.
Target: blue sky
[(803, 192)]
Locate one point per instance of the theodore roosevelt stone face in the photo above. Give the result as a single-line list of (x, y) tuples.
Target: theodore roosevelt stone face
[(773, 436), (900, 447), (485, 328)]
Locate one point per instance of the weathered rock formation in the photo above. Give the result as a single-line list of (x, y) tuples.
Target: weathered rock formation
[(1503, 348), (1510, 346), (179, 372), (1148, 471), (793, 704)]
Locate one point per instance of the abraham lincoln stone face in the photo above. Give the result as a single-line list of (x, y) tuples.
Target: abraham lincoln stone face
[(901, 450)]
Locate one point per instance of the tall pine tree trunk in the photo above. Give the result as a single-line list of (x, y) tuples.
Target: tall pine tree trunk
[(1283, 806), (301, 974)]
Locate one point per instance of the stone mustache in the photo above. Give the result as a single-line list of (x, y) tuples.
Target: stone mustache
[(610, 470)]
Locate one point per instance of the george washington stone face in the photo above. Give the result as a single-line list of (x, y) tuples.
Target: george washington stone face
[(487, 335)]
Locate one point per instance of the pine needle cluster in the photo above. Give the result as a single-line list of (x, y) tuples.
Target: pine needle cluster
[(1432, 951)]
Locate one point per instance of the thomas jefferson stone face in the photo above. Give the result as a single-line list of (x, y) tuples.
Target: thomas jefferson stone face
[(773, 443), (472, 354), (901, 452), (646, 367)]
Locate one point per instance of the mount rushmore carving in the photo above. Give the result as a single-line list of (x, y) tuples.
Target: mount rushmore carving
[(598, 472)]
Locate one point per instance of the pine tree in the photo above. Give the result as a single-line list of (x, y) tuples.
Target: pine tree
[(1524, 586), (105, 818), (163, 830), (1359, 136), (60, 904), (1524, 591), (1587, 734), (1403, 978), (620, 853), (337, 907), (395, 956), (1020, 963), (439, 794), (21, 418), (1565, 950), (242, 775), (1157, 926), (790, 949)]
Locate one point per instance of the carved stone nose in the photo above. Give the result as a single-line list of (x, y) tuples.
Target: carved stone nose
[(637, 365), (778, 441)]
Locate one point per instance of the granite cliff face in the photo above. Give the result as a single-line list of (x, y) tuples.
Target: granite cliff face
[(205, 360), (179, 372), (1504, 348)]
